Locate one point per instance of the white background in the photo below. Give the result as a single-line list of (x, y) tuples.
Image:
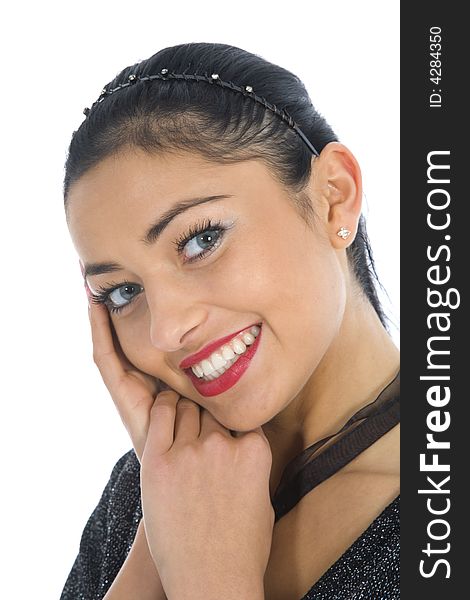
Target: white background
[(61, 434)]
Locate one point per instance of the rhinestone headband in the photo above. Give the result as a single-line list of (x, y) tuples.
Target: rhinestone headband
[(246, 90)]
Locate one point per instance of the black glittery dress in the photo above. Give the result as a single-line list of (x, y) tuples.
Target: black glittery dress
[(369, 569)]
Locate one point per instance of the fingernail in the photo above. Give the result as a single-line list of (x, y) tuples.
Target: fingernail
[(87, 291)]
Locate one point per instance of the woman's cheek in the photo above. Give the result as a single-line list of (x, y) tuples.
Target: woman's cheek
[(132, 338)]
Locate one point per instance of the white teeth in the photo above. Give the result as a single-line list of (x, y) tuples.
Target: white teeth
[(221, 360), (207, 367), (227, 352), (238, 346), (196, 369), (248, 338), (218, 360), (214, 374)]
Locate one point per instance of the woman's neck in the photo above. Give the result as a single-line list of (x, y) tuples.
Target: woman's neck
[(359, 363)]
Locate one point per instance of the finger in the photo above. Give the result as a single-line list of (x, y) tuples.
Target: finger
[(116, 345), (209, 424), (125, 363), (259, 430), (152, 384), (138, 419), (187, 422), (161, 429), (104, 351), (132, 403)]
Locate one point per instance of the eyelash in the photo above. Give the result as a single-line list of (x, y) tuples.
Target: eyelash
[(197, 229), (104, 292), (194, 230)]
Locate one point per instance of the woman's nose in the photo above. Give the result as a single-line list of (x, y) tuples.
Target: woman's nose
[(173, 317)]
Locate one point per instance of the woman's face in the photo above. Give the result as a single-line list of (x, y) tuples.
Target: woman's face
[(216, 268)]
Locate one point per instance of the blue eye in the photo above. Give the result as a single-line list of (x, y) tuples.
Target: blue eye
[(201, 239), (117, 297), (202, 242), (123, 295)]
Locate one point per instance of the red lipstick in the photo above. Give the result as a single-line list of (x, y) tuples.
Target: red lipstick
[(230, 377), (192, 359)]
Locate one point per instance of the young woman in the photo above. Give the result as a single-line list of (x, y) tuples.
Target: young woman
[(236, 325)]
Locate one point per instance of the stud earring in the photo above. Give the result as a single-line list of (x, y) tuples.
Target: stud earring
[(343, 233)]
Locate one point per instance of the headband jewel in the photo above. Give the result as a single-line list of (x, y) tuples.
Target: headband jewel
[(247, 90)]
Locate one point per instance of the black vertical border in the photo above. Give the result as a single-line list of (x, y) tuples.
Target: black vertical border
[(423, 130)]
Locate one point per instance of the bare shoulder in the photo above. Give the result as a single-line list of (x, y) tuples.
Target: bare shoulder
[(329, 519)]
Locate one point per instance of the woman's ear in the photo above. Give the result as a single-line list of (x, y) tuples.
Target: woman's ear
[(338, 176)]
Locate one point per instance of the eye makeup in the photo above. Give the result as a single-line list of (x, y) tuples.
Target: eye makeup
[(104, 293), (213, 230)]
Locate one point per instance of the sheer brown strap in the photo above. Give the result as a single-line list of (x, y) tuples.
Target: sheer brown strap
[(313, 466)]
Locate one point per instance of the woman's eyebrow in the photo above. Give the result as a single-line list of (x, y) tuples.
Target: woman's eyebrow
[(99, 268), (157, 228), (154, 231)]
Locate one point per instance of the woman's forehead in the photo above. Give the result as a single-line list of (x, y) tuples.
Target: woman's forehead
[(127, 192), (134, 176)]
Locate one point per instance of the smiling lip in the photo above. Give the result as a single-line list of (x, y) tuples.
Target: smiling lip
[(231, 375), (207, 350)]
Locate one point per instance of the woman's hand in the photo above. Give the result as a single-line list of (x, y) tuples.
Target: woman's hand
[(132, 391), (205, 498), (205, 494)]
